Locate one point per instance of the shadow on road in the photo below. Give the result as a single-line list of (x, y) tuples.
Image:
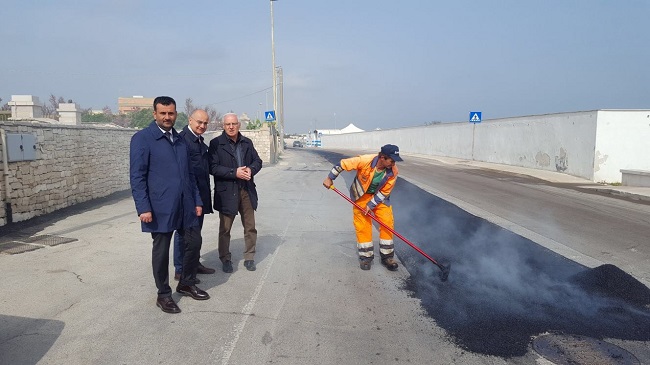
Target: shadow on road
[(26, 340)]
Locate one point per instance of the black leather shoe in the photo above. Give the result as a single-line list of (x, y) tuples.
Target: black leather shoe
[(204, 270), (250, 265), (167, 305), (227, 266), (192, 291)]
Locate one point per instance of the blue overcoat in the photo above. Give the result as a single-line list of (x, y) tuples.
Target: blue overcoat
[(162, 181)]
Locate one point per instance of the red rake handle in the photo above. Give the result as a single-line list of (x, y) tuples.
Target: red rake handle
[(416, 248)]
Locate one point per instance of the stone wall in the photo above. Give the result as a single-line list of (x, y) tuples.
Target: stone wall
[(73, 164), (262, 139)]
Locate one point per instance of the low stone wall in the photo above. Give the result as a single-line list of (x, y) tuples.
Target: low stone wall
[(73, 164), (77, 163)]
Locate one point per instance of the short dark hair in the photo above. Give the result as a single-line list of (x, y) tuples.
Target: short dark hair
[(164, 100)]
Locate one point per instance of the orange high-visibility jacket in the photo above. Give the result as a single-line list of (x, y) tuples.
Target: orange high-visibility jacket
[(365, 167)]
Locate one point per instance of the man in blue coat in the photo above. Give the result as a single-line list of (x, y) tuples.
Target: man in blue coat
[(166, 199), (233, 163), (200, 165)]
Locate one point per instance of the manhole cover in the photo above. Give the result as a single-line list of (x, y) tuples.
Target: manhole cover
[(14, 247), (48, 240), (577, 350)]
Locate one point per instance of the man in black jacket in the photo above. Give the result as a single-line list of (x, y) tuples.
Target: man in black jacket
[(200, 165), (233, 163)]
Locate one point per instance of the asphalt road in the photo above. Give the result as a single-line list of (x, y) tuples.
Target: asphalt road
[(505, 288), (92, 300), (593, 228)]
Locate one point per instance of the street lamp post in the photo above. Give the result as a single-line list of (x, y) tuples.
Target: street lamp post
[(273, 59), (279, 121)]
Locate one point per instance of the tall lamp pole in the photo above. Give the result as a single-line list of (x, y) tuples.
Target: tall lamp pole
[(275, 94), (278, 114)]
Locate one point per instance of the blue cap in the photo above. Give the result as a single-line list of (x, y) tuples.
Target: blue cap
[(391, 151)]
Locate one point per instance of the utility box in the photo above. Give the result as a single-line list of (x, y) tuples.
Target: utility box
[(21, 147)]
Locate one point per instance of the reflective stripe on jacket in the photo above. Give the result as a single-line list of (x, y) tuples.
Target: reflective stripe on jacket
[(365, 167)]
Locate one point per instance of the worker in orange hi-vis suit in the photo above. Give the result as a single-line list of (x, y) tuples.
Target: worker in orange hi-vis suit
[(371, 188)]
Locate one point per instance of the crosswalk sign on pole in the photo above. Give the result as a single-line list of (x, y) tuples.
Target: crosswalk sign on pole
[(475, 117), (269, 116)]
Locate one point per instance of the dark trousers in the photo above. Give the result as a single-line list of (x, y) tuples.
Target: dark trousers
[(160, 258), (179, 251), (250, 232)]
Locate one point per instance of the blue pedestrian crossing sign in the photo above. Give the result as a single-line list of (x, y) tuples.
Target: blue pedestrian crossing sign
[(475, 117), (269, 116)]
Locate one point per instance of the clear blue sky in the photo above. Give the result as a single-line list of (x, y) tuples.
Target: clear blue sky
[(377, 64)]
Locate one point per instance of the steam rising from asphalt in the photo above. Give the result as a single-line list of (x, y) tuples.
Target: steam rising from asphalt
[(502, 289)]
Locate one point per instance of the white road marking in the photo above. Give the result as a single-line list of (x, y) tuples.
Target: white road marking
[(247, 310)]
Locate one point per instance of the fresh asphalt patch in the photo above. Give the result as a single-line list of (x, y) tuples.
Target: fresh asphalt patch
[(504, 290)]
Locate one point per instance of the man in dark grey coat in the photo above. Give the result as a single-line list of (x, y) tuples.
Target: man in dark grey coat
[(233, 163), (200, 165)]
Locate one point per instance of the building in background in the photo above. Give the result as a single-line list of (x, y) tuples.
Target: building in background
[(133, 104)]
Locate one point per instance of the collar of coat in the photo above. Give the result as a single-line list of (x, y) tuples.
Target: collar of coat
[(373, 164), (226, 139), (188, 131), (156, 131)]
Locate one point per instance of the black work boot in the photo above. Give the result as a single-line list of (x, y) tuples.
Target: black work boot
[(365, 263), (390, 263)]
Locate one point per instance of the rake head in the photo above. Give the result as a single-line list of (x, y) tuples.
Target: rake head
[(444, 271)]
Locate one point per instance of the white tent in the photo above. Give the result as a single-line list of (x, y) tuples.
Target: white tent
[(314, 139), (351, 128)]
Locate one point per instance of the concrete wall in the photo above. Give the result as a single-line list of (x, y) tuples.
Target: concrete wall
[(622, 142), (593, 145), (555, 142), (73, 164)]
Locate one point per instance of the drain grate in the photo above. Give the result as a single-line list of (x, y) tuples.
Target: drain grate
[(13, 247), (48, 240), (573, 349), (19, 244)]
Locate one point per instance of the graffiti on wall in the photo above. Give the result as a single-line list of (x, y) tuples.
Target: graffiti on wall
[(561, 161)]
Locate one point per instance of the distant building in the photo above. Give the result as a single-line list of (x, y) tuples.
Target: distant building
[(133, 104)]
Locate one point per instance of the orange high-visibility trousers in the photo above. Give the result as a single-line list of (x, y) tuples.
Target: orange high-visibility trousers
[(363, 226)]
